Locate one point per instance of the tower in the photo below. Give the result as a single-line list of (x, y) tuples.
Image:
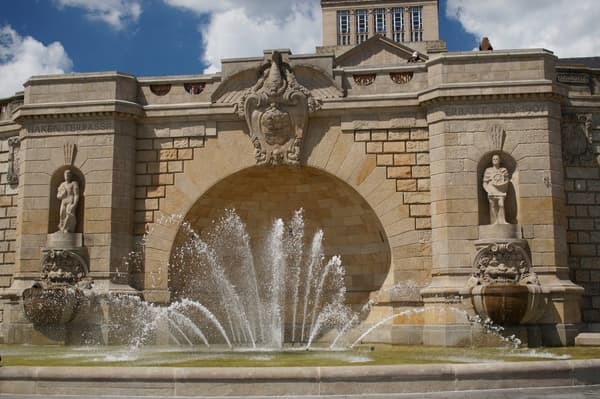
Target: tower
[(351, 22)]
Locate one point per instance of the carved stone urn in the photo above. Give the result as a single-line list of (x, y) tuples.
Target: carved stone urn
[(60, 293), (53, 304), (504, 288)]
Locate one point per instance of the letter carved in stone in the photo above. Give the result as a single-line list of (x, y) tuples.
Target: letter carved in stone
[(276, 110), (577, 138)]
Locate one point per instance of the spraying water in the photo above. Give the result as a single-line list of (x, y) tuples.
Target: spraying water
[(242, 299)]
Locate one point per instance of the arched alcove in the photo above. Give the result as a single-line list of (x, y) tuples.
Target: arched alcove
[(510, 204), (54, 206), (261, 194)]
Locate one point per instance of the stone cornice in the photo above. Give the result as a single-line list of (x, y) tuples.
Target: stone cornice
[(487, 56), (493, 91), (80, 108), (78, 78), (150, 80), (415, 67)]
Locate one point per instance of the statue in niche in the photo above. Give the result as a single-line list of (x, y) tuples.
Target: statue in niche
[(68, 194), (495, 183)]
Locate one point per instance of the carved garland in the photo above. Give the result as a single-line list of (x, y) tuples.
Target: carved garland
[(401, 77), (365, 79)]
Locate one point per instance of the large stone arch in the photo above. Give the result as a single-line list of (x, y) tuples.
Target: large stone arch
[(260, 195), (328, 151)]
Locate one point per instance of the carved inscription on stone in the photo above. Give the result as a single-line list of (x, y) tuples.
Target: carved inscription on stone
[(573, 78), (70, 127), (577, 138), (506, 108), (276, 111)]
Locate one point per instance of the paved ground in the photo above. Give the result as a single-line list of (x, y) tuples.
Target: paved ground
[(587, 392)]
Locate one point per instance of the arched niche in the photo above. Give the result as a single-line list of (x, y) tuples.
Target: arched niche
[(54, 206), (259, 195), (511, 201)]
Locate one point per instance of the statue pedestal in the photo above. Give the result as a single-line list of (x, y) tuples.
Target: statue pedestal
[(60, 240), (496, 232)]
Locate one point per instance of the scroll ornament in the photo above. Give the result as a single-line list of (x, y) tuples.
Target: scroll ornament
[(276, 110)]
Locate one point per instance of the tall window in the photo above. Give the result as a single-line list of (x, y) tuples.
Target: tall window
[(379, 19), (362, 26), (398, 23), (416, 24), (343, 18)]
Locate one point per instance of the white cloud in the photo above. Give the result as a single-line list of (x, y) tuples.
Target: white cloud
[(243, 28), (23, 57), (568, 27), (116, 13)]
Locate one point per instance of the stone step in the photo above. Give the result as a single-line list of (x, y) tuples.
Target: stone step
[(588, 339)]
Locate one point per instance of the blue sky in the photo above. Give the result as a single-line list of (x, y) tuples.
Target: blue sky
[(173, 37)]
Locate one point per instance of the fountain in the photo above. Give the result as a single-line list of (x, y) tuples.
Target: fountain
[(283, 294)]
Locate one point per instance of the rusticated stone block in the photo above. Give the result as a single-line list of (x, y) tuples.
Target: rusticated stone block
[(398, 172), (404, 159), (420, 210), (393, 146), (403, 185), (185, 154), (396, 135), (374, 148), (362, 135), (168, 155), (379, 135), (385, 159)]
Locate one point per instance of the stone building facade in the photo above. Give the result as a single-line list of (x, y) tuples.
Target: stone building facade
[(386, 152)]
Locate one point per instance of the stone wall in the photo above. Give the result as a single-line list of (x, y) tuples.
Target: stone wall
[(582, 186), (404, 153), (8, 217), (161, 152)]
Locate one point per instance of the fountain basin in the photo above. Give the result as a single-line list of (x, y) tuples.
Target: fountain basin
[(508, 304), (301, 381), (54, 305)]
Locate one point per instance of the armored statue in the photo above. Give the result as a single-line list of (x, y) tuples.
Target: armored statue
[(495, 183)]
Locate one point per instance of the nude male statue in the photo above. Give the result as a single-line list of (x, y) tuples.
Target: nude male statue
[(495, 184), (68, 193)]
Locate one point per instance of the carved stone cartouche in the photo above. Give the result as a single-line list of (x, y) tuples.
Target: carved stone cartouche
[(503, 263), (276, 111), (577, 138)]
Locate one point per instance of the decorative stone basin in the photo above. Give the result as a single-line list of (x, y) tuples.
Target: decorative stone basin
[(508, 304), (54, 305)]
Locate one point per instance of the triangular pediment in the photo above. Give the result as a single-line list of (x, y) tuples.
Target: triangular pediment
[(377, 51)]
